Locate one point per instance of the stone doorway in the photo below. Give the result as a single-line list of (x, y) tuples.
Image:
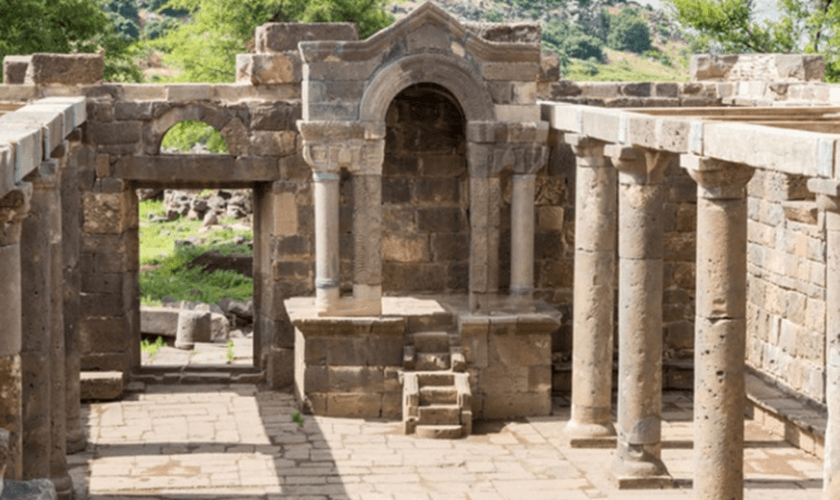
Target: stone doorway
[(209, 357)]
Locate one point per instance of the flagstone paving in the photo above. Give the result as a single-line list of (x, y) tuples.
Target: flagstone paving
[(240, 442)]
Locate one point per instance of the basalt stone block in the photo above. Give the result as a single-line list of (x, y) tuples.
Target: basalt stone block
[(101, 386), (14, 69), (284, 37), (65, 69), (262, 69)]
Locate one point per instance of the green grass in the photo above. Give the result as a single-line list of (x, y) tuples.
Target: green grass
[(169, 275), (629, 67), (152, 348)]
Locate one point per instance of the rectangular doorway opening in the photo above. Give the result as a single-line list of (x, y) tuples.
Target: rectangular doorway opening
[(196, 278)]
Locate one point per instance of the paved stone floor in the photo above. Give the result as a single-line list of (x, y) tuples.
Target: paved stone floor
[(240, 352), (239, 442)]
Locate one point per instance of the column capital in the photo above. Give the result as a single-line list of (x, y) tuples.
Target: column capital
[(14, 207), (490, 160), (584, 146), (637, 165), (331, 146), (717, 179)]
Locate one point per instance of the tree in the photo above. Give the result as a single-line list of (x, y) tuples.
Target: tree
[(630, 32), (205, 48), (730, 26), (125, 16), (64, 26)]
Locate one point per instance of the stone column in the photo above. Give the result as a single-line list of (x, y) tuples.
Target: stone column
[(594, 288), (327, 279), (828, 200), (36, 315), (367, 236), (522, 237), (13, 209), (640, 250), (485, 199), (70, 242), (58, 396), (720, 327)]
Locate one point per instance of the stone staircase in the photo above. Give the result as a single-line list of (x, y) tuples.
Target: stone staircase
[(437, 402)]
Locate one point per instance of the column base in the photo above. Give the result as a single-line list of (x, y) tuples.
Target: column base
[(365, 302), (76, 442), (581, 435), (63, 487), (627, 475)]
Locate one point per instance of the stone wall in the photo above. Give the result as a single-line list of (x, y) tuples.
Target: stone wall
[(786, 280)]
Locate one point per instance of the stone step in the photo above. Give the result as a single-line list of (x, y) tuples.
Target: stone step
[(430, 341), (432, 361), (100, 386), (439, 431), (438, 395), (439, 415), (428, 378)]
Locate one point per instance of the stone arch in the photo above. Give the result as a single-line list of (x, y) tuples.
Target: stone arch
[(450, 73), (217, 117)]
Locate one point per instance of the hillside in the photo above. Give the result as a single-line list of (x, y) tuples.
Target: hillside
[(598, 40)]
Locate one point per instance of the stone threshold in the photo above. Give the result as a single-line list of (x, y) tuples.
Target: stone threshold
[(204, 374), (799, 422)]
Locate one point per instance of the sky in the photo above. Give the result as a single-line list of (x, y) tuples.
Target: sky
[(765, 9)]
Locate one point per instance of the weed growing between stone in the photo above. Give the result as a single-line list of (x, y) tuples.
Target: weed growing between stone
[(152, 348), (230, 355)]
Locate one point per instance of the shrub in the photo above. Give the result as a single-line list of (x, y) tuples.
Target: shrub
[(186, 134), (628, 31)]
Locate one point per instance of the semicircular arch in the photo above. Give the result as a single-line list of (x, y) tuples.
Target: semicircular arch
[(216, 117), (450, 73)]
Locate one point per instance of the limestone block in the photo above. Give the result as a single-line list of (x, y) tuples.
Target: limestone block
[(284, 37), (406, 248), (273, 143), (354, 405), (523, 404), (15, 68), (158, 320), (142, 92), (362, 379), (264, 69), (708, 67), (103, 386), (179, 92), (65, 69), (27, 147)]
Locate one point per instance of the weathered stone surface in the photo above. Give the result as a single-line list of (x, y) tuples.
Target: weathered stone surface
[(14, 69), (284, 37), (103, 386), (65, 69), (264, 69), (193, 326)]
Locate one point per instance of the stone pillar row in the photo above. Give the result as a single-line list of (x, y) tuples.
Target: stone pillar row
[(828, 200), (720, 323)]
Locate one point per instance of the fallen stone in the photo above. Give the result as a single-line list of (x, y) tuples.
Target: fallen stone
[(158, 320), (101, 385), (210, 219)]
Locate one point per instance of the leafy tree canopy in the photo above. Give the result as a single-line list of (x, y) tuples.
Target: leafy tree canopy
[(65, 26), (205, 48), (628, 31)]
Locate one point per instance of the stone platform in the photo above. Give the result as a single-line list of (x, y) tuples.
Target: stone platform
[(240, 442), (350, 366)]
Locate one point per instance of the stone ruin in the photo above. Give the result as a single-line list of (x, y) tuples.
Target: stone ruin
[(444, 231)]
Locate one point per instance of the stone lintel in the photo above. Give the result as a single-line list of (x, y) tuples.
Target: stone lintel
[(827, 187), (198, 168), (485, 132)]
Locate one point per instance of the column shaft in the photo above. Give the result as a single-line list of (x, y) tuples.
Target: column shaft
[(522, 235), (640, 251), (594, 282), (13, 209), (36, 315), (485, 195), (58, 396), (327, 279), (367, 234), (831, 477)]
